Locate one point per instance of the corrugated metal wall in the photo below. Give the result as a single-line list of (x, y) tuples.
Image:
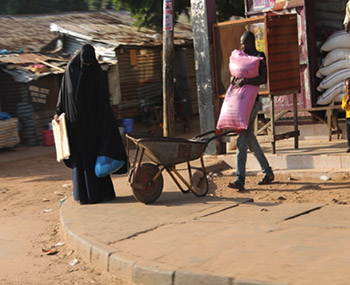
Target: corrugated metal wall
[(70, 45), (11, 93), (33, 118), (191, 79), (329, 14), (140, 72), (45, 112), (15, 100)]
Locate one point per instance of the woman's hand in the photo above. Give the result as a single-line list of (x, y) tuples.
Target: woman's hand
[(56, 118)]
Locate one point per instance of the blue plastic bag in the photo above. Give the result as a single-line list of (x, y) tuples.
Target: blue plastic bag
[(4, 116), (105, 166)]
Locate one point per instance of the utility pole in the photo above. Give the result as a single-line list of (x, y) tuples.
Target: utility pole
[(201, 25), (168, 69)]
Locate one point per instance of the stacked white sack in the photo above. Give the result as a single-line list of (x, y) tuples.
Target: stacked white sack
[(339, 98), (339, 39), (336, 55), (335, 68), (333, 79), (328, 96)]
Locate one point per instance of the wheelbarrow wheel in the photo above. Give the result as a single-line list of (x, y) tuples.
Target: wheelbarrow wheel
[(200, 184), (144, 189)]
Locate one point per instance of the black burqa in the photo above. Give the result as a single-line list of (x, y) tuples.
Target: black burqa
[(91, 126)]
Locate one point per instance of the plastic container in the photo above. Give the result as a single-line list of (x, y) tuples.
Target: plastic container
[(128, 125), (48, 139)]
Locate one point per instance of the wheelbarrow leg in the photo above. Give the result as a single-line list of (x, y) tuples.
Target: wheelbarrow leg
[(132, 170), (171, 171), (198, 189)]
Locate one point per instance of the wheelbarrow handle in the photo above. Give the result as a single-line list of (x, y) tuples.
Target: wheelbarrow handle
[(218, 135), (204, 134)]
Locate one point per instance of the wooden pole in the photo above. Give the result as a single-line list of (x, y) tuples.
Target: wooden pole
[(168, 69), (295, 112)]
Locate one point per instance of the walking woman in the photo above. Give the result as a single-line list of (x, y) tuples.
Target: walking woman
[(91, 126)]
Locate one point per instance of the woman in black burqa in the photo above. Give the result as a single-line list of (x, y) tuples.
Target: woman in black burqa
[(91, 126)]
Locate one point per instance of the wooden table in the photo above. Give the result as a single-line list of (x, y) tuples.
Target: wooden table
[(332, 118), (273, 137), (331, 121)]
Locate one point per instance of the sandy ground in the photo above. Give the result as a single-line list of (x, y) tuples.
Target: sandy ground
[(31, 191), (295, 187)]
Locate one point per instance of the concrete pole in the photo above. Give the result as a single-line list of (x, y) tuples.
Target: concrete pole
[(168, 69), (201, 42)]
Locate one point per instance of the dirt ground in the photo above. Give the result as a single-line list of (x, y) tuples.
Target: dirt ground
[(296, 187), (31, 191)]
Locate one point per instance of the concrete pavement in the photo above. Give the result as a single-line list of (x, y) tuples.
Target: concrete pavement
[(182, 239)]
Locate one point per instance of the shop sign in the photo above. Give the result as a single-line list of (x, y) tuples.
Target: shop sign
[(168, 15), (263, 4), (38, 94)]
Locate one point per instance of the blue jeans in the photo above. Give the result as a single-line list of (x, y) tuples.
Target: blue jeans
[(247, 139)]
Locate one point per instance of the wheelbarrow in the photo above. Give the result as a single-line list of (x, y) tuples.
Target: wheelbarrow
[(146, 179)]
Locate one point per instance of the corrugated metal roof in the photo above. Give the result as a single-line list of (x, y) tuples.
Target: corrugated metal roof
[(26, 58), (30, 66), (109, 33), (32, 32)]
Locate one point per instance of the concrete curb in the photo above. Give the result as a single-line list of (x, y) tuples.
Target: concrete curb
[(134, 269), (294, 161)]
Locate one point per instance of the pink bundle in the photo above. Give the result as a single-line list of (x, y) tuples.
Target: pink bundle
[(238, 103), (243, 65)]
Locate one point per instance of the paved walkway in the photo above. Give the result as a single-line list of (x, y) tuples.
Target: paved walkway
[(182, 239)]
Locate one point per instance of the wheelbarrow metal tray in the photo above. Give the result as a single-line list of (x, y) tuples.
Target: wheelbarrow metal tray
[(170, 151)]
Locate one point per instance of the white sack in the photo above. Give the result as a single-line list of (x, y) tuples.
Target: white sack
[(328, 96), (339, 39), (334, 79), (333, 67), (336, 55), (339, 97)]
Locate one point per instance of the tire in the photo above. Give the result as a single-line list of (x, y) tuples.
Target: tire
[(144, 190), (200, 185)]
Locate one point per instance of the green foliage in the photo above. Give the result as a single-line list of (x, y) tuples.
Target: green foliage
[(149, 13), (10, 7), (228, 8), (101, 4)]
